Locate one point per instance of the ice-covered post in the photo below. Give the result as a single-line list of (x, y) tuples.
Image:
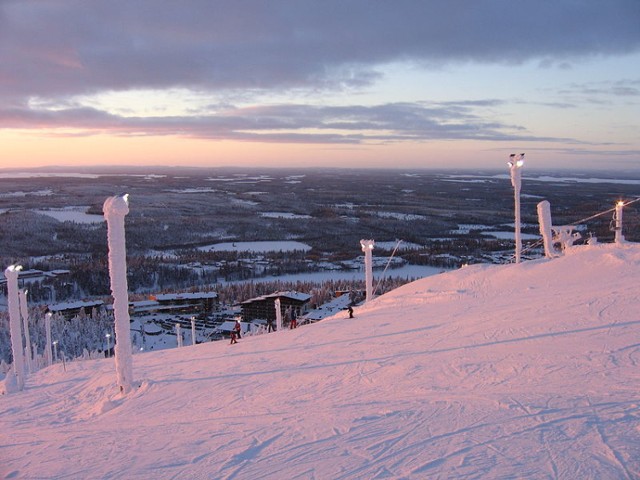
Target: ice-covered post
[(544, 219), (11, 274), (115, 209), (108, 337), (619, 239), (515, 164), (47, 348), (278, 315), (367, 248), (179, 334), (193, 330), (24, 311)]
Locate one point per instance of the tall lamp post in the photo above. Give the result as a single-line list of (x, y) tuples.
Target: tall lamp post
[(619, 239), (108, 337), (515, 165), (367, 248)]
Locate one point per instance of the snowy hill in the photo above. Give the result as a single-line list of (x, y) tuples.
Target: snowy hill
[(515, 371)]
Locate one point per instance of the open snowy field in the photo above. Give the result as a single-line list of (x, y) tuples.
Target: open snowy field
[(495, 372)]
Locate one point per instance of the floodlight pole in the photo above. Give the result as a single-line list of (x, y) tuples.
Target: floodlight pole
[(515, 165), (367, 248), (619, 239)]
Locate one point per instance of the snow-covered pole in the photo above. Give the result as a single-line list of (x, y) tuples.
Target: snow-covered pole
[(24, 311), (179, 334), (277, 305), (115, 209), (193, 330), (619, 238), (11, 274), (367, 248), (544, 219), (47, 348), (515, 164)]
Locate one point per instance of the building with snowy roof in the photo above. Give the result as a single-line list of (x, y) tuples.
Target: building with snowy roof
[(263, 307), (191, 302), (73, 309)]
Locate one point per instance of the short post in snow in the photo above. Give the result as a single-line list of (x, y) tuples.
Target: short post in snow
[(55, 351), (546, 228), (47, 348), (278, 307), (179, 334), (115, 209), (24, 311), (367, 248), (515, 165), (108, 337), (619, 238), (11, 274), (193, 330)]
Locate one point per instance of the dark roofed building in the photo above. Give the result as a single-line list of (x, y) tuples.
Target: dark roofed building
[(264, 307)]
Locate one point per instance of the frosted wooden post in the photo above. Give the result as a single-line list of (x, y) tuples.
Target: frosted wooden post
[(193, 330), (47, 348), (619, 239), (179, 334), (115, 209), (544, 218), (11, 274), (278, 315), (24, 311), (515, 164), (367, 248)]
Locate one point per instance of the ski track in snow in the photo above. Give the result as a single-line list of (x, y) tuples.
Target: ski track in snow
[(517, 371)]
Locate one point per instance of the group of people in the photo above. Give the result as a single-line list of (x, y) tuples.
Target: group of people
[(290, 318)]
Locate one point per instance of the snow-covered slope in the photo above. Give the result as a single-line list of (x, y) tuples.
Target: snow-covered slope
[(516, 371)]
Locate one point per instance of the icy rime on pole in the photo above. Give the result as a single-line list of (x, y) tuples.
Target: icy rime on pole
[(115, 209), (24, 310), (367, 248), (11, 274)]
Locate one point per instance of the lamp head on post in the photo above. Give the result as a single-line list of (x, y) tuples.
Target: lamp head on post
[(515, 164)]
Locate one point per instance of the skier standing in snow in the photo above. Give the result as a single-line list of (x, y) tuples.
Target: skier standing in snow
[(294, 320), (233, 337), (238, 329), (269, 325), (350, 310)]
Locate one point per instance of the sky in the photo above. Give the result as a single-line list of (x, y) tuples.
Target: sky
[(525, 370), (338, 83)]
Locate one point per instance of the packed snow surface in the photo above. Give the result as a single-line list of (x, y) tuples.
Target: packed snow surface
[(525, 370)]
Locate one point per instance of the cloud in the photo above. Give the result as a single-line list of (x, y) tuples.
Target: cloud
[(73, 47), (291, 123)]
